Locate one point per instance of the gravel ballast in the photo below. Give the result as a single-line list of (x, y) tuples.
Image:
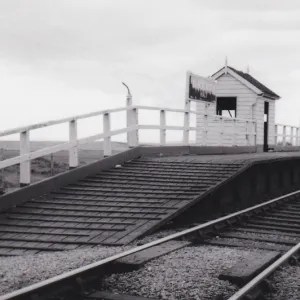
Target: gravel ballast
[(21, 271), (189, 273), (287, 284)]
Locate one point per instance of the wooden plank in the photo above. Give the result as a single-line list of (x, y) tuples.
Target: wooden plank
[(111, 296), (62, 208), (139, 196), (107, 141), (75, 203), (137, 260), (25, 165), (258, 238), (60, 121), (127, 191), (84, 215), (225, 243), (40, 188), (245, 270), (73, 151), (262, 231), (40, 232), (57, 226), (73, 220), (109, 199)]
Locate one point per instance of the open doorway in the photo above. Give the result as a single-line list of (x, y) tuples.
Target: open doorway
[(226, 106), (266, 126)]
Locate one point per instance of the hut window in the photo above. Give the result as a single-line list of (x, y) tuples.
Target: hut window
[(226, 106)]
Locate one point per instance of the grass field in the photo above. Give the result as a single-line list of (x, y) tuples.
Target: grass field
[(44, 167)]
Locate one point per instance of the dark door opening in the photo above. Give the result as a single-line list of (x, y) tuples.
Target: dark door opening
[(266, 126), (226, 106)]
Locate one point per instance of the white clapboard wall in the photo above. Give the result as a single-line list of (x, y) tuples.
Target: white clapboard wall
[(249, 107)]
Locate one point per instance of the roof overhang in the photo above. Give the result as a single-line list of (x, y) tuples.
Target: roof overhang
[(244, 82), (264, 95), (237, 77)]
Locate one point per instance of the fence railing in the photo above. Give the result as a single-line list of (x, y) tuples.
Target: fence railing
[(286, 135), (226, 131), (132, 129)]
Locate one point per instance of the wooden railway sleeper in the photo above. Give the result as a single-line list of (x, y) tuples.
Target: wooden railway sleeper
[(293, 261), (257, 293), (267, 286), (34, 297), (84, 287)]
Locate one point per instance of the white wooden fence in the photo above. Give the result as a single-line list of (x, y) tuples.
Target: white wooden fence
[(286, 135), (232, 133), (217, 130)]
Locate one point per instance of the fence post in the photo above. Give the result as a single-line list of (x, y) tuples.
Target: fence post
[(2, 187), (107, 140), (234, 133), (247, 134), (255, 132), (276, 135), (297, 136), (52, 164), (73, 152), (133, 140), (186, 121), (162, 127), (283, 135), (205, 125), (221, 131), (24, 166), (292, 136)]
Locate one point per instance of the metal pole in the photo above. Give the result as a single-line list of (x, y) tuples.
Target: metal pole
[(129, 115)]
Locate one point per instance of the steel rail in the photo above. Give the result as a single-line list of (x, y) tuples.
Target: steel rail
[(67, 276), (256, 281)]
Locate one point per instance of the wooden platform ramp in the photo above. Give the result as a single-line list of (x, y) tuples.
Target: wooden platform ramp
[(111, 202)]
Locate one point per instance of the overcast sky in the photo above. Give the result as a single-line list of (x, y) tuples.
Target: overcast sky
[(64, 57)]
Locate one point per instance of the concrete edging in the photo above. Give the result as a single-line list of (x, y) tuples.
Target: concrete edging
[(197, 150)]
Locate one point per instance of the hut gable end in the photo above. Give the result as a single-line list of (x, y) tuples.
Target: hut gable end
[(228, 86)]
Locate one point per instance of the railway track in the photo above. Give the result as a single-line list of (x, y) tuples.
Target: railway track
[(270, 226)]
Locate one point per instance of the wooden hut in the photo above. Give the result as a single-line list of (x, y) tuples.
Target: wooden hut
[(241, 96)]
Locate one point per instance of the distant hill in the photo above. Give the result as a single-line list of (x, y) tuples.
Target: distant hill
[(41, 167), (87, 151), (34, 145)]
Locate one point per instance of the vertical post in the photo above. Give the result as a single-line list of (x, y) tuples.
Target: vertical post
[(247, 134), (205, 125), (221, 131), (283, 135), (73, 152), (276, 135), (292, 136), (129, 116), (162, 127), (2, 188), (107, 140), (52, 164), (187, 108), (186, 121), (234, 133), (24, 166), (297, 137), (255, 132), (133, 140)]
